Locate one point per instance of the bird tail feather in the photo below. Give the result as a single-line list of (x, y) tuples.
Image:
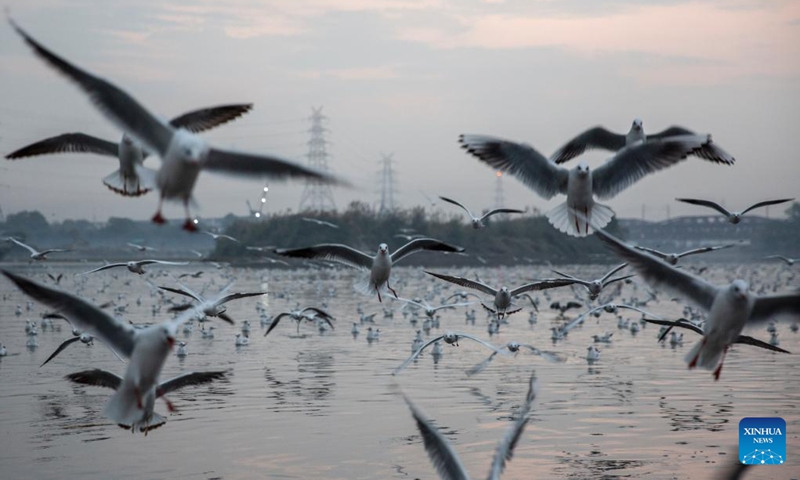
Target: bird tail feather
[(122, 407), (703, 357), (580, 224), (129, 186)]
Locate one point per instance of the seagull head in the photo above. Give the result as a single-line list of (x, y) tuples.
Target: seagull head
[(450, 337), (739, 289), (383, 249), (583, 169), (190, 146), (127, 140), (168, 333), (513, 346), (637, 125)]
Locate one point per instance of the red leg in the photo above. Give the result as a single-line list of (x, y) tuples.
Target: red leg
[(586, 215), (577, 224), (138, 397), (158, 218), (693, 363), (719, 367), (391, 289), (170, 406), (379, 294), (188, 225)]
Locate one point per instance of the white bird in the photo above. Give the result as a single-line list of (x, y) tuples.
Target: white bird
[(132, 179), (675, 339), (450, 338), (581, 185), (592, 354), (82, 337), (733, 217), (181, 353), (147, 350), (430, 310), (445, 459), (354, 330), (141, 248), (3, 351), (36, 254), (213, 307), (134, 266), (242, 340), (605, 338), (217, 236), (373, 335), (730, 308), (672, 258), (599, 137), (103, 378), (477, 222), (380, 266), (183, 153), (668, 325), (319, 222), (502, 297), (608, 307), (594, 287), (298, 315), (786, 260), (514, 347)]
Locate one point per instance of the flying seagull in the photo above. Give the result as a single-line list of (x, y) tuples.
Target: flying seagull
[(140, 248), (594, 287), (298, 315), (146, 349), (730, 307), (599, 137), (581, 185), (733, 217), (684, 323), (477, 222), (103, 378), (133, 266), (502, 305), (217, 236), (514, 347), (786, 260), (380, 266), (36, 254), (183, 153), (450, 338), (319, 222), (126, 180), (445, 459), (210, 307), (672, 258)]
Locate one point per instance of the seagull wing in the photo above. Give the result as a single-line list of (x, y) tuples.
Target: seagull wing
[(705, 203), (500, 210), (634, 162), (637, 309), (423, 244), (704, 250), (66, 343), (530, 299), (710, 151), (119, 107), (87, 317), (481, 366), (651, 251), (660, 274), (544, 285), (67, 143), (771, 306), (522, 161), (236, 296), (612, 272), (747, 340), (414, 355), (466, 283), (505, 449), (766, 203), (454, 202), (677, 323), (597, 137), (442, 455), (104, 267), (23, 245), (208, 118), (183, 291), (330, 251), (275, 321), (188, 379), (549, 356), (96, 378), (160, 262), (578, 320), (254, 166), (476, 339)]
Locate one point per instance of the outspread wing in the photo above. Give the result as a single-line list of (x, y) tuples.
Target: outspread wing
[(773, 307), (711, 151), (597, 137), (330, 251), (263, 166), (705, 203), (275, 322), (208, 118), (23, 245), (119, 107), (442, 455), (522, 161), (766, 203), (544, 285), (660, 274), (188, 379), (66, 343), (634, 162), (423, 244), (500, 210), (505, 449), (67, 143), (454, 202), (612, 272), (704, 250), (465, 282), (185, 292), (414, 355), (118, 335), (96, 378)]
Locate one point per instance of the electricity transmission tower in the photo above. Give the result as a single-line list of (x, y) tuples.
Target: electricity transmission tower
[(317, 196), (387, 182), (258, 212)]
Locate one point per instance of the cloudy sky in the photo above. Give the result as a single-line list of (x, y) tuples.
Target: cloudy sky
[(407, 77)]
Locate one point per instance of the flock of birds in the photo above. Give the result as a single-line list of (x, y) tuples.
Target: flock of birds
[(719, 315)]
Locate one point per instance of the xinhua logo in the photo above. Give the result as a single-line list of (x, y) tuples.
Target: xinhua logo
[(762, 441)]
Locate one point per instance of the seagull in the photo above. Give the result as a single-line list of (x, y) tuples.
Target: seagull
[(445, 459), (132, 179), (320, 222), (83, 337), (450, 338), (196, 274), (3, 351), (599, 137), (103, 378), (730, 307), (733, 217), (36, 254), (786, 260), (213, 307), (514, 348), (141, 248), (608, 307), (684, 323), (217, 236), (594, 287), (581, 185), (430, 310), (242, 340), (181, 350), (56, 279), (380, 266), (592, 354), (477, 222), (672, 258), (298, 315), (135, 266), (502, 304), (183, 153), (146, 349)]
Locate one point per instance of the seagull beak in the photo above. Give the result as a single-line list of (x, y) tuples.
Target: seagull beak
[(171, 342)]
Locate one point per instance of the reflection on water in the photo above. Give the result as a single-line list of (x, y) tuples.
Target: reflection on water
[(325, 405)]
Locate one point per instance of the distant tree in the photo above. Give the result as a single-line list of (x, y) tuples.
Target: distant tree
[(117, 226), (28, 222), (793, 212)]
